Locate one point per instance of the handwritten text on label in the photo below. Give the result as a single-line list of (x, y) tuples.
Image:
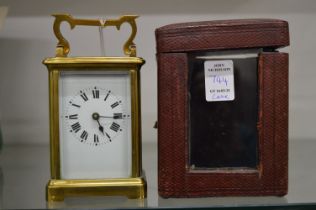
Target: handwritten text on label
[(219, 80)]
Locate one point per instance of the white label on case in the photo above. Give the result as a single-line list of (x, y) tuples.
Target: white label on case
[(219, 80)]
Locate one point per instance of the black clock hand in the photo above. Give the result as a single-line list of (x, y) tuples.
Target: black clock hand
[(106, 116), (96, 117), (115, 116), (100, 127)]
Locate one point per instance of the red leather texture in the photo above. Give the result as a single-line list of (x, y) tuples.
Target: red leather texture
[(175, 178), (222, 34)]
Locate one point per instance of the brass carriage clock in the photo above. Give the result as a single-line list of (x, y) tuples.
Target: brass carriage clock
[(95, 125)]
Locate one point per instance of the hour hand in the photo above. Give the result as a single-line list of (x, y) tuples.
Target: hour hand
[(96, 117), (100, 127)]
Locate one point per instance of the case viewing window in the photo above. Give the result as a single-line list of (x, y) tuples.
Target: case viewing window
[(224, 134), (223, 108)]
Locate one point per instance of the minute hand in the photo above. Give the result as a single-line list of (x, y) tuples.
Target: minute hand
[(112, 117)]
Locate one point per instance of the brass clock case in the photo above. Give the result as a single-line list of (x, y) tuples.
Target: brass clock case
[(133, 186)]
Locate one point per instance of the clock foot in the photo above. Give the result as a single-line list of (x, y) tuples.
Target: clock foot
[(132, 188)]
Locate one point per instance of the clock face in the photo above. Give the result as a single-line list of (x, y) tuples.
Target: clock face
[(95, 124), (105, 110)]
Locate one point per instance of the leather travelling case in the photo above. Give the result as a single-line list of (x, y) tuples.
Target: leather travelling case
[(234, 146)]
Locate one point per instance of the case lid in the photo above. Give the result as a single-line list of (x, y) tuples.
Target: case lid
[(222, 34)]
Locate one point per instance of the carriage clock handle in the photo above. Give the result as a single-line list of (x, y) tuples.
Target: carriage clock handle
[(63, 48)]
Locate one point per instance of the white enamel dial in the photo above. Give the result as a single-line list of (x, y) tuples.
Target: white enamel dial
[(95, 124), (105, 110)]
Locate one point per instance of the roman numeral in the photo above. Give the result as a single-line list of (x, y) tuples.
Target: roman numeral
[(73, 116), (115, 105), (76, 105), (84, 135), (95, 93), (107, 95), (117, 115), (108, 136), (96, 139), (76, 127), (115, 127), (83, 96)]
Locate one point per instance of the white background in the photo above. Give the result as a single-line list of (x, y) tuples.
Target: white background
[(27, 38)]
